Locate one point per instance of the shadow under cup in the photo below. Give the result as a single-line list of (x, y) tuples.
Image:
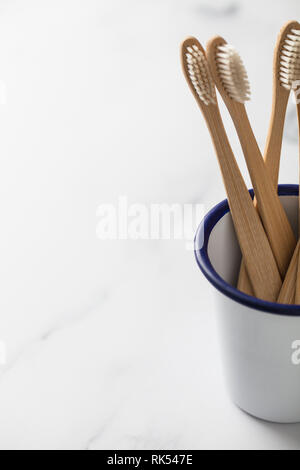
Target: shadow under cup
[(260, 341)]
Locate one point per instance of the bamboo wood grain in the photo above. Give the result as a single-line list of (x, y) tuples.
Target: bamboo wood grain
[(272, 153), (297, 294), (291, 279), (271, 157), (287, 292), (275, 221), (259, 259)]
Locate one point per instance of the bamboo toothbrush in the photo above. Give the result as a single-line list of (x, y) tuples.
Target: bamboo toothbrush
[(231, 80), (283, 66), (289, 73), (280, 99), (289, 79), (260, 262), (290, 76), (274, 143)]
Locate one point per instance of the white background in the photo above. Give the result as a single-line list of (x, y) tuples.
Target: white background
[(113, 344)]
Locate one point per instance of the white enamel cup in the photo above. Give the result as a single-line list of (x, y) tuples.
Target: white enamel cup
[(260, 341)]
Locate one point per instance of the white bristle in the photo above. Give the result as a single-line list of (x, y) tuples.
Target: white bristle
[(200, 75), (233, 73), (290, 60)]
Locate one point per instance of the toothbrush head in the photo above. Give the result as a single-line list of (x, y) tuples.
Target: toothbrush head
[(289, 66), (232, 73), (197, 73)]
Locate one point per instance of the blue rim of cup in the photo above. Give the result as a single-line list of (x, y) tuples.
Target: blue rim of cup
[(203, 261)]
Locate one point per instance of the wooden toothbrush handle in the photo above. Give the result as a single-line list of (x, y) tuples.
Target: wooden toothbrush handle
[(287, 292), (290, 291), (271, 211), (272, 161), (260, 262), (297, 294), (244, 283), (274, 140)]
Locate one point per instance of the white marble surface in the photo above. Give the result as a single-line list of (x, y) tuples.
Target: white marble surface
[(113, 344)]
